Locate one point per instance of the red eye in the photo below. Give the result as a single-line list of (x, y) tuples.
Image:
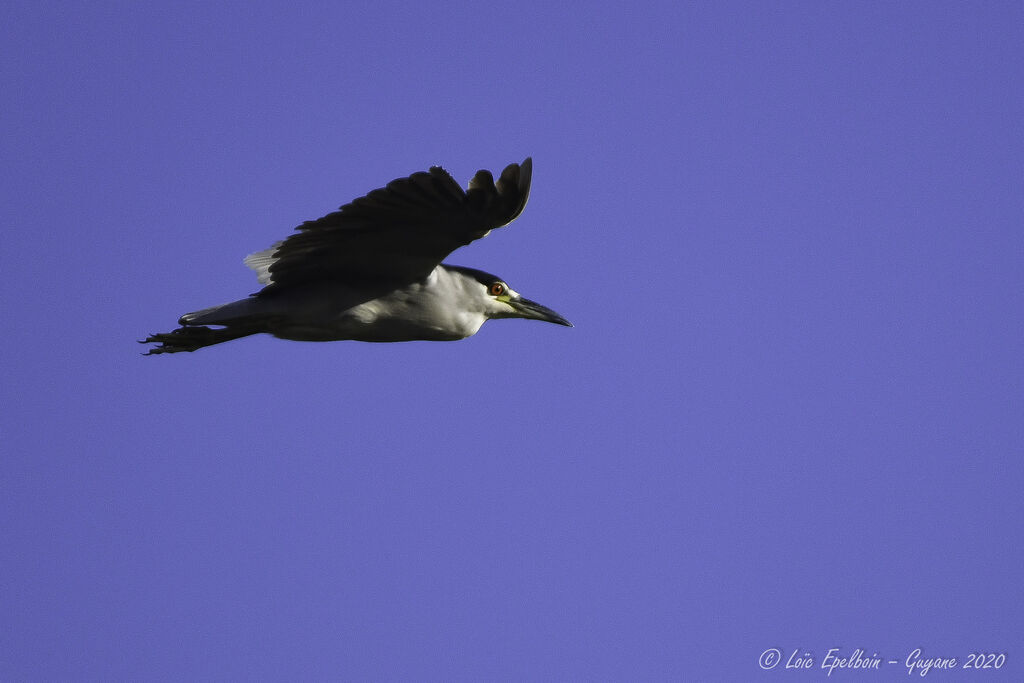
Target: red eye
[(497, 289)]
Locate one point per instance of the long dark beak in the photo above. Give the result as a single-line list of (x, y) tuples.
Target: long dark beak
[(533, 310)]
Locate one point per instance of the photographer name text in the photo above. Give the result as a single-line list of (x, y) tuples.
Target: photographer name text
[(916, 662)]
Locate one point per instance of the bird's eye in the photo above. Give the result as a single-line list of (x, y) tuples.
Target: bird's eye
[(498, 288)]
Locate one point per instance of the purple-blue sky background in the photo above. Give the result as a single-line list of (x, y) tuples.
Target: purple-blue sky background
[(791, 413)]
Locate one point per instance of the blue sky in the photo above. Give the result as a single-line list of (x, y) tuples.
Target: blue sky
[(789, 415)]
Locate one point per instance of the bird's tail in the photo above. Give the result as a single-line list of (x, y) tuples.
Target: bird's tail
[(190, 338)]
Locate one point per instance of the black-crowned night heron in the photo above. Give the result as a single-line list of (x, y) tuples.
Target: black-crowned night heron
[(372, 270)]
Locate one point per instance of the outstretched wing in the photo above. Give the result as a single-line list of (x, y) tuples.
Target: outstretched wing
[(398, 233)]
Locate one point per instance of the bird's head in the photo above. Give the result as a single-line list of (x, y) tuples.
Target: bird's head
[(497, 300)]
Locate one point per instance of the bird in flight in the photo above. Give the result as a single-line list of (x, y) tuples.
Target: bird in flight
[(372, 270)]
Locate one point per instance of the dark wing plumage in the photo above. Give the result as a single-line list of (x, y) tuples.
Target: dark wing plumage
[(398, 233)]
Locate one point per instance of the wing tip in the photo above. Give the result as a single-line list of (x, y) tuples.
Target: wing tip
[(513, 186)]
